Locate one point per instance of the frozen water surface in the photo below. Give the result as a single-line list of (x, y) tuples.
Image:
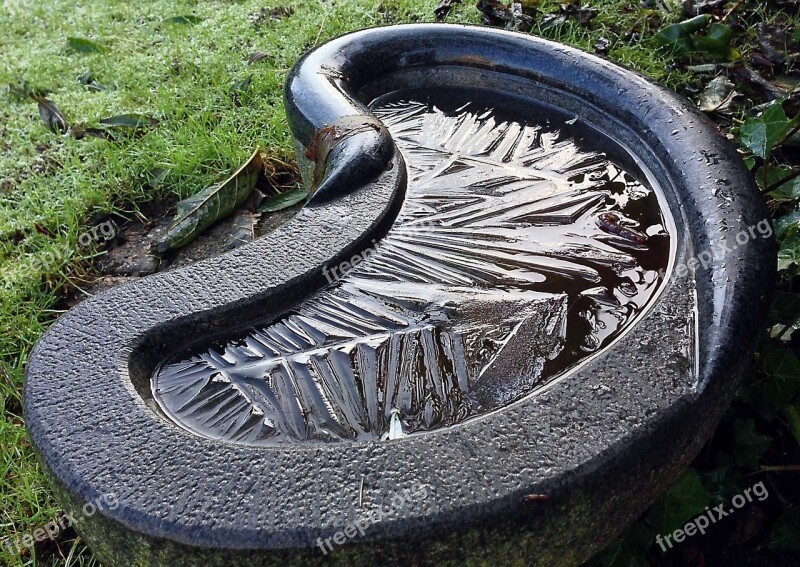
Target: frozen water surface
[(521, 248)]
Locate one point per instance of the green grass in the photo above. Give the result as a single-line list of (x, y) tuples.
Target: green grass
[(52, 187)]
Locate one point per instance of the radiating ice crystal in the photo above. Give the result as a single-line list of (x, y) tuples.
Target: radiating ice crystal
[(495, 277)]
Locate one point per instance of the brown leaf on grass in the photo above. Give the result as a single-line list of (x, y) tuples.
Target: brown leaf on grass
[(55, 121), (80, 132), (242, 230), (41, 229), (517, 16), (582, 14), (443, 9), (776, 44), (257, 56), (521, 17), (758, 61), (766, 90), (692, 8), (198, 212), (281, 12), (494, 13), (273, 14), (51, 115), (532, 498), (602, 46)]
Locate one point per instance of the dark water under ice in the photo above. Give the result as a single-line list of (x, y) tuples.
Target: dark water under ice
[(522, 248)]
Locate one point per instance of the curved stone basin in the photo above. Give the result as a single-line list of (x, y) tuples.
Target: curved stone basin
[(518, 363)]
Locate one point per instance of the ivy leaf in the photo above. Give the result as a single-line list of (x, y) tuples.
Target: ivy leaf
[(785, 307), (720, 33), (716, 42), (750, 444), (760, 134), (685, 37), (283, 200), (214, 203), (670, 34), (752, 395), (787, 225), (767, 176), (678, 37), (793, 417), (723, 481), (784, 532), (686, 498), (783, 369), (51, 115), (789, 253), (627, 551), (81, 45)]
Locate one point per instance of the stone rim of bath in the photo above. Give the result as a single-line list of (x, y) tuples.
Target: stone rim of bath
[(89, 421)]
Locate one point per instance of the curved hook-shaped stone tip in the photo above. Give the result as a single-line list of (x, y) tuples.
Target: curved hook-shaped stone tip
[(348, 154)]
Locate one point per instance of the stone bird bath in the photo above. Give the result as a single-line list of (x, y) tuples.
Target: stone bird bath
[(511, 313)]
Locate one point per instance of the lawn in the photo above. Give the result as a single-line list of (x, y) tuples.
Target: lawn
[(208, 76)]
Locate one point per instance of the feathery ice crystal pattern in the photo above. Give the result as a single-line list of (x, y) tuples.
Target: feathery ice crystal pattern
[(515, 255)]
